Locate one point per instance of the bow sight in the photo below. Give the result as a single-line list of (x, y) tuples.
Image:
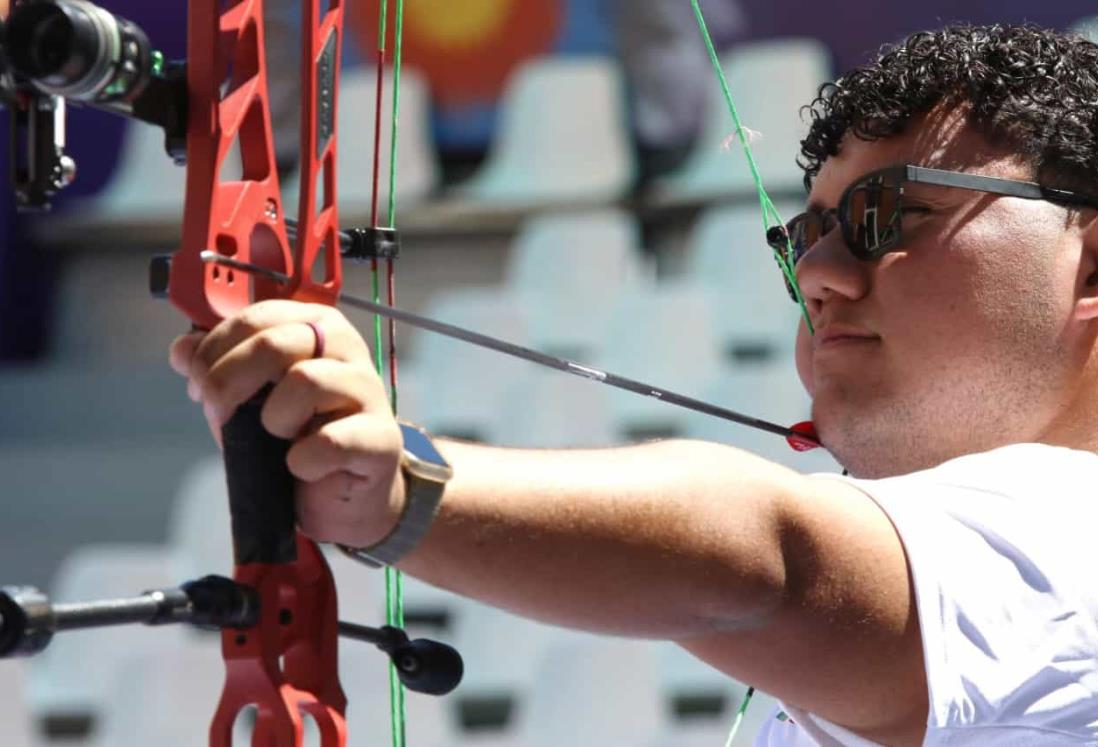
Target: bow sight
[(57, 51)]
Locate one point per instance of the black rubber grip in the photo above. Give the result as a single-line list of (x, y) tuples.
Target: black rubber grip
[(261, 488)]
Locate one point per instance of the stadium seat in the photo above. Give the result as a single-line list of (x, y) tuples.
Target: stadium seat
[(728, 255), (664, 337), (503, 652), (767, 390), (165, 697), (770, 82), (562, 137), (16, 725), (685, 678), (66, 680), (461, 383), (567, 269), (545, 409), (709, 732), (199, 538), (592, 691)]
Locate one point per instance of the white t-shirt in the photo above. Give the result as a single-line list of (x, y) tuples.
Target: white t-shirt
[(1003, 549)]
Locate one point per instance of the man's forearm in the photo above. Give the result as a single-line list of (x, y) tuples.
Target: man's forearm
[(667, 539)]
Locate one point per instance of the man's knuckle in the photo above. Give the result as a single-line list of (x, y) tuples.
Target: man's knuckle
[(304, 378), (333, 440)]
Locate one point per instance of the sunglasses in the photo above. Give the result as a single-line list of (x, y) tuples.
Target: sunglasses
[(870, 211)]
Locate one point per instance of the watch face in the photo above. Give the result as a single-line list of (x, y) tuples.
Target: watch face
[(420, 446)]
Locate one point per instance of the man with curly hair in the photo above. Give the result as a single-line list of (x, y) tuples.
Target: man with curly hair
[(940, 594)]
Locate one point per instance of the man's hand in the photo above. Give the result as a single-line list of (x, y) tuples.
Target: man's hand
[(346, 444)]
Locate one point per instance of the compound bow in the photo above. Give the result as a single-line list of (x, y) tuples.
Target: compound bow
[(278, 613)]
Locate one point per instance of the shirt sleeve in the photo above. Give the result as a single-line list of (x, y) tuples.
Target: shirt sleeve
[(1000, 554)]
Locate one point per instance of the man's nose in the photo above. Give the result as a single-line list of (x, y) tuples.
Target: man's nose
[(828, 270)]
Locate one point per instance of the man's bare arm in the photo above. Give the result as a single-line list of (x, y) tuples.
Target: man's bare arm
[(798, 585), (661, 540)]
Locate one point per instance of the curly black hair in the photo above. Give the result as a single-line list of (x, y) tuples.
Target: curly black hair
[(1032, 89)]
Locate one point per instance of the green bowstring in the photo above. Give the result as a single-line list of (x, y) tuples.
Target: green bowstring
[(394, 579), (397, 50), (771, 218)]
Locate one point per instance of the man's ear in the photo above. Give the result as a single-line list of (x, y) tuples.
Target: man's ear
[(1086, 302)]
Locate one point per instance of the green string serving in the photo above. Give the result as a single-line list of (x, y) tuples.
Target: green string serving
[(771, 218)]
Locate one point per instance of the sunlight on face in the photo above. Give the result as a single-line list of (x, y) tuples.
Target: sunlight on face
[(960, 341)]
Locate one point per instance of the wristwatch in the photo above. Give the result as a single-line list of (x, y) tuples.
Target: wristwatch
[(425, 476)]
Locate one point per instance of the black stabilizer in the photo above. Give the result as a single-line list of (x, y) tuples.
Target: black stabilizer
[(428, 666), (219, 602), (423, 665), (261, 488)]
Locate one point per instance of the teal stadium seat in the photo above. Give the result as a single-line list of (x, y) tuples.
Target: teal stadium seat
[(567, 269), (727, 256), (562, 138), (770, 82)]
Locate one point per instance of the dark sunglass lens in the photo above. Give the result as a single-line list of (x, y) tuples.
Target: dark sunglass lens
[(873, 216)]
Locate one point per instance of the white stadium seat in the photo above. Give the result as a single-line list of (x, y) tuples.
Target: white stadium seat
[(66, 680), (770, 82), (728, 255), (593, 691), (664, 337), (567, 268), (16, 725), (562, 137), (461, 383)]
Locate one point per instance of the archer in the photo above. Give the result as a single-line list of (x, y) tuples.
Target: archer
[(943, 591)]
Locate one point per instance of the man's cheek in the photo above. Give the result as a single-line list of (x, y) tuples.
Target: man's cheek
[(803, 357)]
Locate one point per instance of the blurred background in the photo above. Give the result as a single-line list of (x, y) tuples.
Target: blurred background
[(566, 181)]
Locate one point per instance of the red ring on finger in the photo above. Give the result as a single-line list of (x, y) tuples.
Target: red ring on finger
[(318, 339)]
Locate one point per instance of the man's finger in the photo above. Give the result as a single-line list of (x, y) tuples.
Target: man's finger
[(245, 369), (319, 387), (365, 445), (182, 350)]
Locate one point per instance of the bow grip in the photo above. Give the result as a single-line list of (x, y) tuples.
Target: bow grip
[(261, 488)]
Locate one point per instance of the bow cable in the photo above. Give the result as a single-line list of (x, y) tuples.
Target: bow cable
[(394, 580), (771, 218)]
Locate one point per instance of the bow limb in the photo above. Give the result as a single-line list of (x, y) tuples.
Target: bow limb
[(286, 665)]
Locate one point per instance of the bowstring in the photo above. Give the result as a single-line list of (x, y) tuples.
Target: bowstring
[(771, 219), (394, 579)]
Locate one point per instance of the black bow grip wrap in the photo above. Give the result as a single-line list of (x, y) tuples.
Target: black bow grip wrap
[(261, 488)]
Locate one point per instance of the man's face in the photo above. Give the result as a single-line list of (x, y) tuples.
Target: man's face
[(961, 340)]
